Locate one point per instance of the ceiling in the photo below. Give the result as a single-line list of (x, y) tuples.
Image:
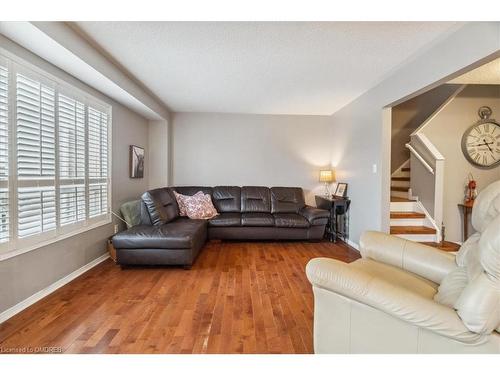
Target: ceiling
[(310, 68), (487, 74)]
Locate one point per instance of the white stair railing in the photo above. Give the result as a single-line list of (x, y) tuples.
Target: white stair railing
[(420, 158), (433, 161)]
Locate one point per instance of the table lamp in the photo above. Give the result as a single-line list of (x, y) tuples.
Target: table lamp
[(327, 176)]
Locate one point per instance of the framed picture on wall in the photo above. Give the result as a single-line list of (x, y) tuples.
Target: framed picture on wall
[(341, 190), (136, 161)]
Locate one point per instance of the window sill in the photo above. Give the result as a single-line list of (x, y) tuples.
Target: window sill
[(13, 253)]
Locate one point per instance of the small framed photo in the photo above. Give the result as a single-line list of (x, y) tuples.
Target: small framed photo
[(136, 160), (341, 190)]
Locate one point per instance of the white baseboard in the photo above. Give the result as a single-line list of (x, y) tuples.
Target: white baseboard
[(353, 244), (10, 312)]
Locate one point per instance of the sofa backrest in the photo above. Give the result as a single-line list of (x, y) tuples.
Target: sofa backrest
[(479, 302), (255, 199), (227, 198), (192, 190), (161, 204), (145, 218), (287, 200)]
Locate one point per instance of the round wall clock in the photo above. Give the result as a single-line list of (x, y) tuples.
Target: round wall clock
[(481, 142)]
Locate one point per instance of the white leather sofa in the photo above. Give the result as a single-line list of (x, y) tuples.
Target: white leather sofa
[(405, 297)]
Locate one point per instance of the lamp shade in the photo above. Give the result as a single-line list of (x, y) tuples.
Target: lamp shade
[(326, 175)]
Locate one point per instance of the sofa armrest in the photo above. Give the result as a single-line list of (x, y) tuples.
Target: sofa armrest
[(357, 285), (426, 261), (315, 216)]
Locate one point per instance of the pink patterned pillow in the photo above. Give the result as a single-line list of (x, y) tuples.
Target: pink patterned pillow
[(200, 206), (181, 202)]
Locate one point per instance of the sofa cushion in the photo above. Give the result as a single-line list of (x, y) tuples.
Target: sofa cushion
[(181, 201), (131, 212), (145, 218), (287, 200), (257, 219), (290, 221), (161, 204), (178, 234), (227, 198), (226, 219), (199, 206), (315, 216), (255, 199)]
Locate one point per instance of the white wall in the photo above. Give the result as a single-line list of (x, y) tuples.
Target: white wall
[(361, 137), (159, 153), (445, 131), (236, 149)]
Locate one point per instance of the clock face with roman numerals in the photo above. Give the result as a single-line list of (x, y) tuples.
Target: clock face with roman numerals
[(481, 144)]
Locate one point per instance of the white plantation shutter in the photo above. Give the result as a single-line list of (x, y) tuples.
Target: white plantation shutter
[(98, 201), (36, 210), (71, 204), (98, 144), (35, 114), (55, 179), (71, 138), (35, 134), (98, 162), (72, 144), (4, 154)]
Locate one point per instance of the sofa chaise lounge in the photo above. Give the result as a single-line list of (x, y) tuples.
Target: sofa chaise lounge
[(245, 213)]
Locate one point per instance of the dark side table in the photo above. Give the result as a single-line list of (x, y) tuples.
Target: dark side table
[(466, 208), (338, 223)]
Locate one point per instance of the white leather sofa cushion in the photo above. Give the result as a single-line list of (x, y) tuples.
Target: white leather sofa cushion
[(391, 274), (479, 303), (411, 256), (360, 281), (452, 287), (468, 267), (468, 256), (489, 250), (486, 207)]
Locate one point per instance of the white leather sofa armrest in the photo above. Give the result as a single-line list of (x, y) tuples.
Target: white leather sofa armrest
[(412, 308), (426, 261)]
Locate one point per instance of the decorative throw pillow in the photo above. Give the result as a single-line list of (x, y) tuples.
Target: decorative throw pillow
[(181, 202), (131, 212), (200, 206)]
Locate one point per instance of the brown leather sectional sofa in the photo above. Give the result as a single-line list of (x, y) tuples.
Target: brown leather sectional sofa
[(245, 213)]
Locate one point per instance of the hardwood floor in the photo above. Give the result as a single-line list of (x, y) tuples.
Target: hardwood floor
[(239, 297), (445, 246)]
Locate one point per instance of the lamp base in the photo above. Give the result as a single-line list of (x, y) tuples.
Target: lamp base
[(327, 191)]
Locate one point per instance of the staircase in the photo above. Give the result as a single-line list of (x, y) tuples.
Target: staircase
[(408, 219)]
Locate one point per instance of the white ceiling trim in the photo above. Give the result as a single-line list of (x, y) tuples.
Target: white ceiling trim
[(62, 47)]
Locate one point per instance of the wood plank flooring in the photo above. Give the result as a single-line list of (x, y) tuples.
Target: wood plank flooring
[(445, 245), (239, 297)]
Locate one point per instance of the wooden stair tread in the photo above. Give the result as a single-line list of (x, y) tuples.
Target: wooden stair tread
[(407, 215), (400, 178), (445, 246), (399, 188), (406, 169), (399, 199), (410, 229)]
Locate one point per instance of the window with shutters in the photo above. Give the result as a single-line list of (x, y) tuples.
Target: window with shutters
[(4, 153), (54, 158)]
